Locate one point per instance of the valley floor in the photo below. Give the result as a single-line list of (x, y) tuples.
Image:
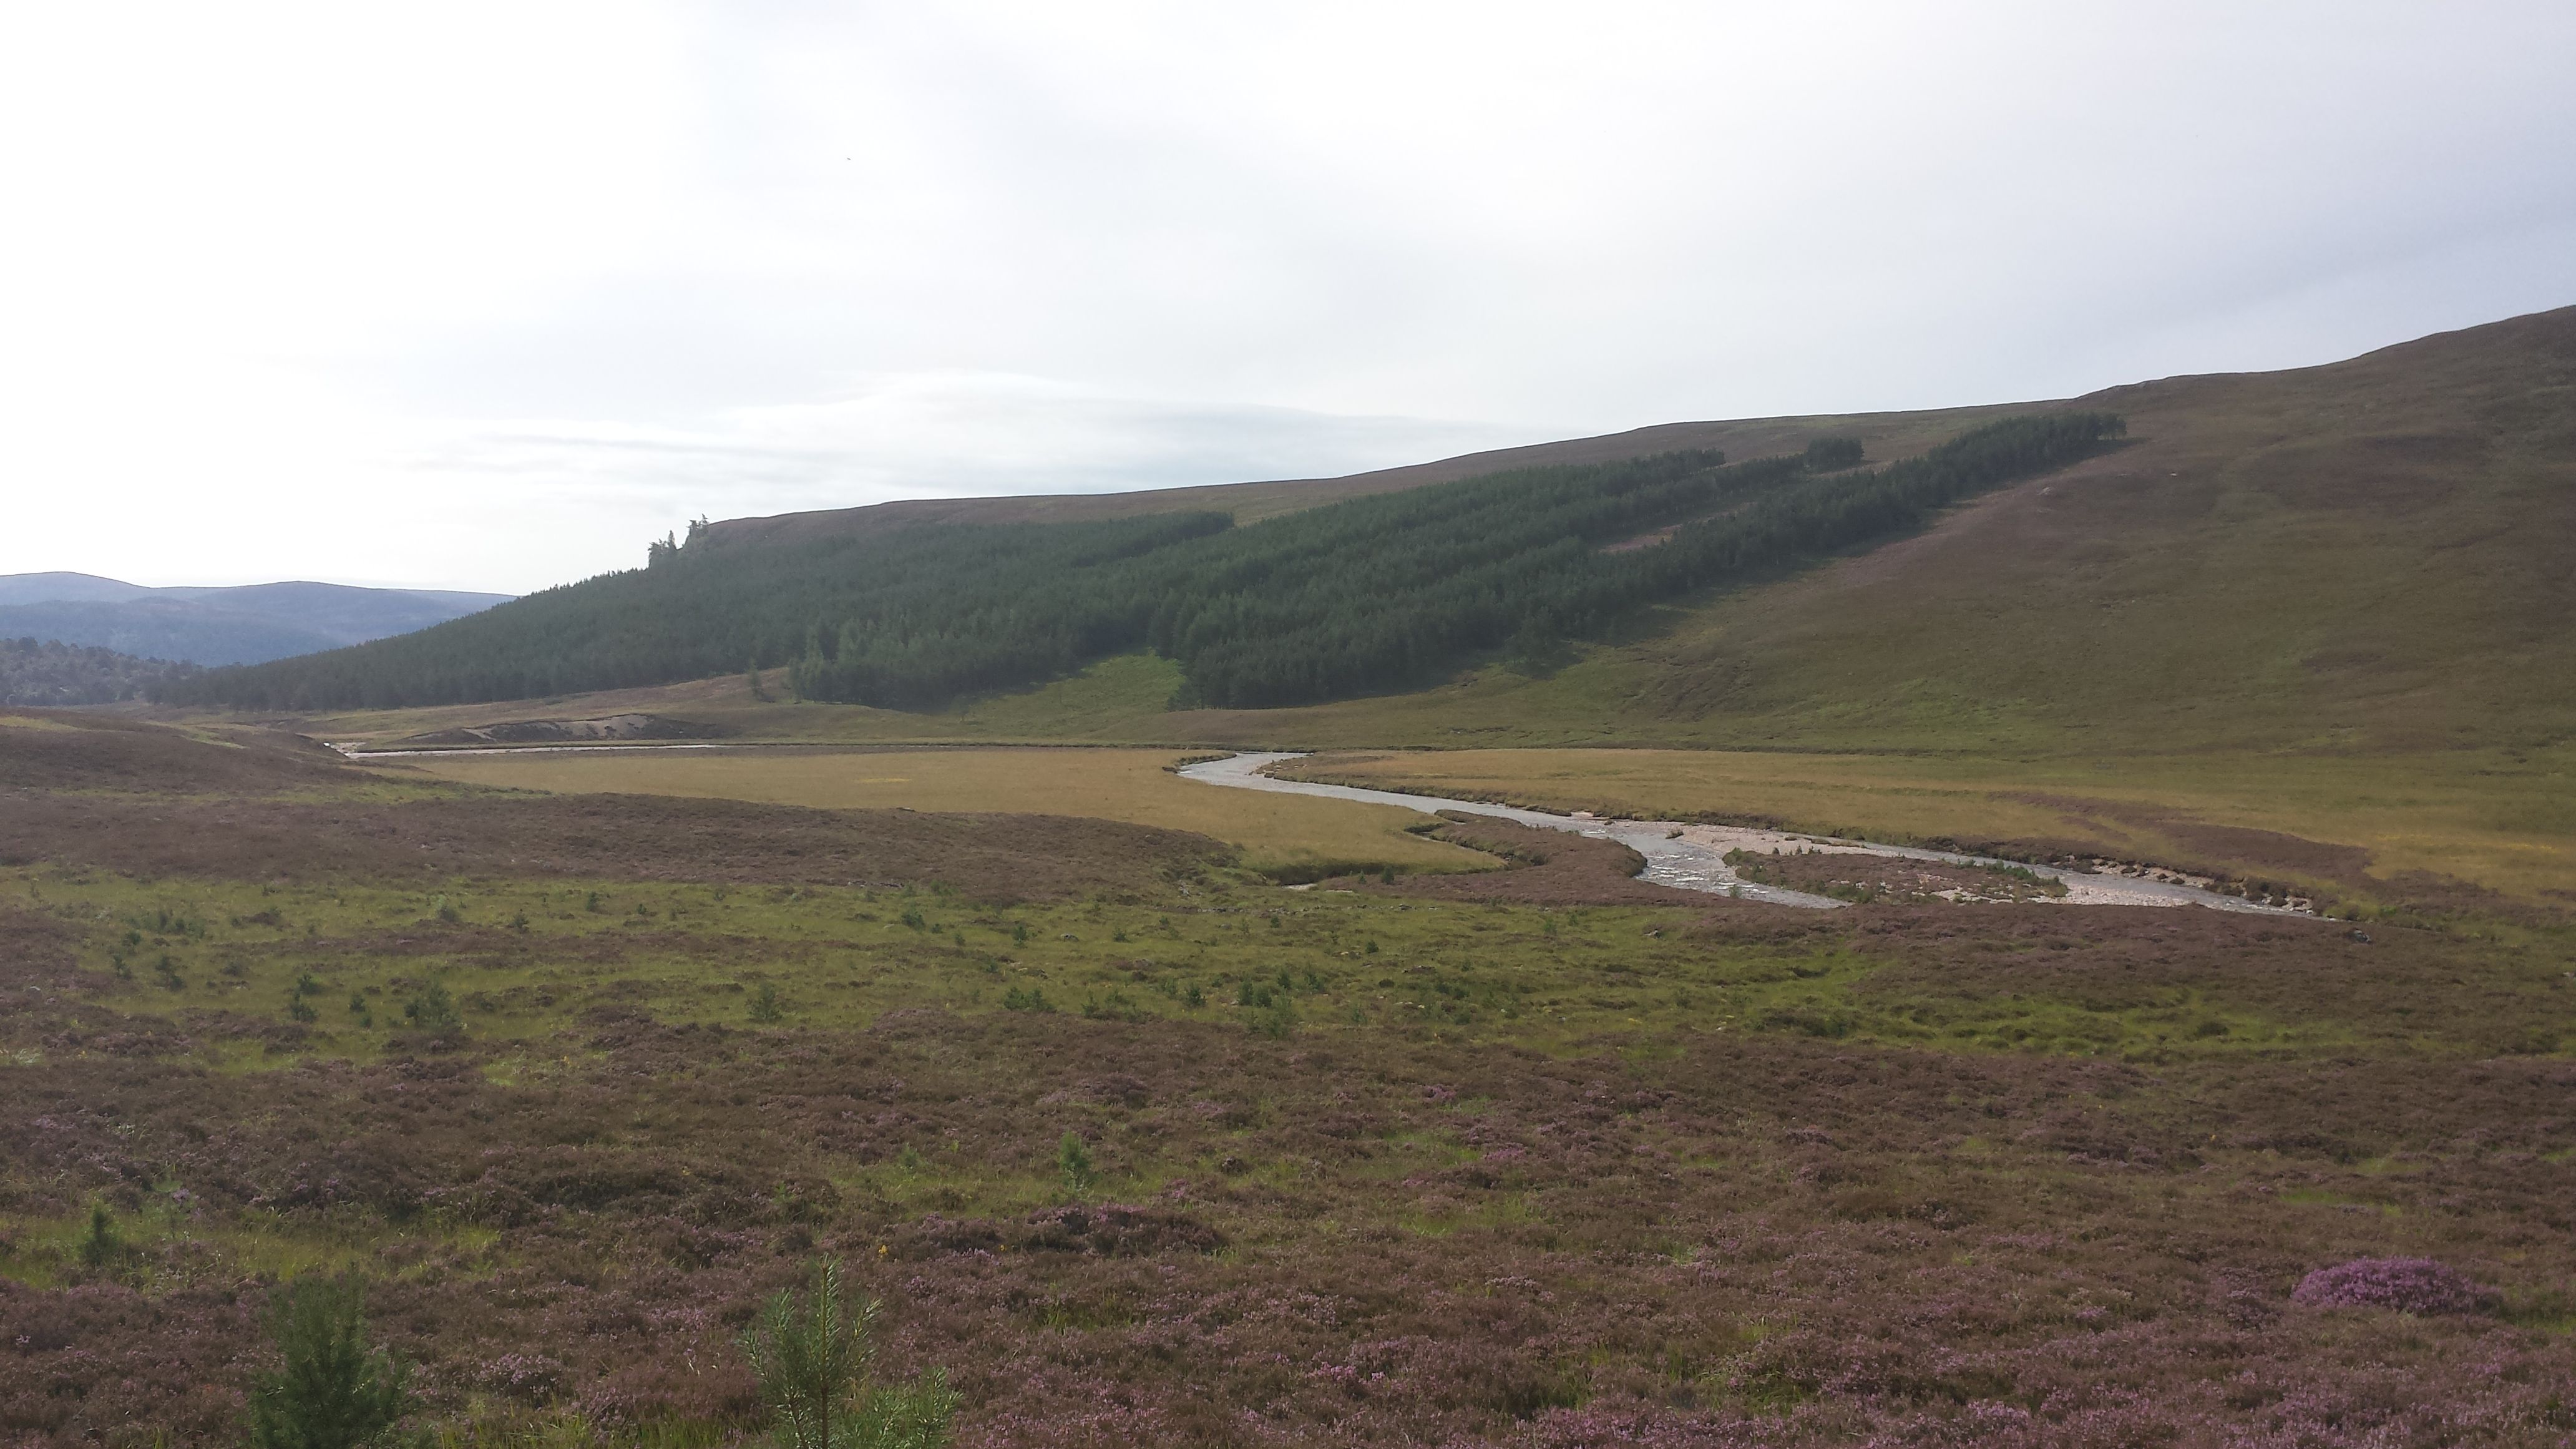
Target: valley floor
[(1532, 1155), (2489, 826)]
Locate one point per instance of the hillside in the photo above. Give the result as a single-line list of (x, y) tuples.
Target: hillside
[(245, 624), (1373, 593), (51, 673), (2370, 554), (1887, 435), (2379, 553)]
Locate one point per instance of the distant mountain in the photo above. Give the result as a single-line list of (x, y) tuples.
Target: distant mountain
[(60, 588), (248, 624)]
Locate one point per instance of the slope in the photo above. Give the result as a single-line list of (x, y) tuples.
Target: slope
[(1364, 594), (243, 624), (1887, 435)]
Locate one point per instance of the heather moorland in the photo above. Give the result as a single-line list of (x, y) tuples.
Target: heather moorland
[(1138, 1146)]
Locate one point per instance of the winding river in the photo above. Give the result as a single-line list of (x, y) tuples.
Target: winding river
[(1693, 857)]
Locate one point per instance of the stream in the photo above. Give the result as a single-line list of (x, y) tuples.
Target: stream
[(1693, 857)]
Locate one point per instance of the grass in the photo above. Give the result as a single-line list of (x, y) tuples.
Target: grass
[(1384, 1169), (1478, 1166), (1286, 835), (2503, 820)]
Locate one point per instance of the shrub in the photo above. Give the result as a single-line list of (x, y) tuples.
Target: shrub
[(1073, 1164), (101, 1245), (765, 1006), (2408, 1285), (814, 1358), (335, 1389), (434, 1011), (1277, 1021)]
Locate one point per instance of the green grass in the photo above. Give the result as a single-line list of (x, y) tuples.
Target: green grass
[(1294, 837), (2499, 819), (523, 960)]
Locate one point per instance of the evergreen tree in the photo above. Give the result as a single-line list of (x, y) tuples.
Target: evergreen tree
[(1369, 594), (814, 1356), (334, 1390)]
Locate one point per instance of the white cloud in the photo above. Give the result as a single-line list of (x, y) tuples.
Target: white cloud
[(486, 294)]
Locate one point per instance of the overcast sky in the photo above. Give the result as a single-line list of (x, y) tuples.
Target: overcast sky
[(485, 296)]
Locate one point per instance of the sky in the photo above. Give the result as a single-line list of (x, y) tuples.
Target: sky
[(489, 296)]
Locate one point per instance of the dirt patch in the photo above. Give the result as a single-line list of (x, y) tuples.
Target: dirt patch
[(616, 837)]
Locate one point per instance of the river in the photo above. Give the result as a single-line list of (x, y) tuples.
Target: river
[(1693, 857)]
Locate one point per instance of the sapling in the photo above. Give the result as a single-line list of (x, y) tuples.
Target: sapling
[(1073, 1164), (101, 1244), (334, 1389), (815, 1358), (433, 1010)]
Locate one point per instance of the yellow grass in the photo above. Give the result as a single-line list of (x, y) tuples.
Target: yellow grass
[(2501, 819), (1276, 832)]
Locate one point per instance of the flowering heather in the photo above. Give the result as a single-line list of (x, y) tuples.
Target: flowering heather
[(2409, 1285), (1613, 1178)]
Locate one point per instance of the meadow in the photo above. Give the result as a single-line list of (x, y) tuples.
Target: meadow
[(1291, 837), (2364, 825), (2369, 830), (1143, 1147)]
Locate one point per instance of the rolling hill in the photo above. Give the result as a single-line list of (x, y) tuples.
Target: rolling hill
[(246, 624), (2373, 553), (1362, 594), (54, 674)]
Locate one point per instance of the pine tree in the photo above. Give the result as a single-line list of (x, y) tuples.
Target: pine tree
[(335, 1390), (815, 1360)]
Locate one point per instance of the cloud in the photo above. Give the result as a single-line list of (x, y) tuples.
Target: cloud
[(951, 434), (484, 294), (920, 435)]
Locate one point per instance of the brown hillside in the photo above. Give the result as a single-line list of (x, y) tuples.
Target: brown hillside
[(2377, 551)]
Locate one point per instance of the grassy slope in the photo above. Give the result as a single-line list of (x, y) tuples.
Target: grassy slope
[(2293, 599), (2371, 554)]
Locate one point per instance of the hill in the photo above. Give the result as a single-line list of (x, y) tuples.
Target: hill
[(246, 624), (2377, 554), (52, 673), (2368, 554), (1369, 593), (1887, 435)]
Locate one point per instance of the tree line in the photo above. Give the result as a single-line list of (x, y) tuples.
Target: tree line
[(1360, 596), (51, 672)]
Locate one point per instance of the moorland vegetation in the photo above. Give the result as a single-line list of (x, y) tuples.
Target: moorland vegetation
[(1139, 1147)]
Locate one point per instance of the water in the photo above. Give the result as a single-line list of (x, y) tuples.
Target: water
[(1693, 857)]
